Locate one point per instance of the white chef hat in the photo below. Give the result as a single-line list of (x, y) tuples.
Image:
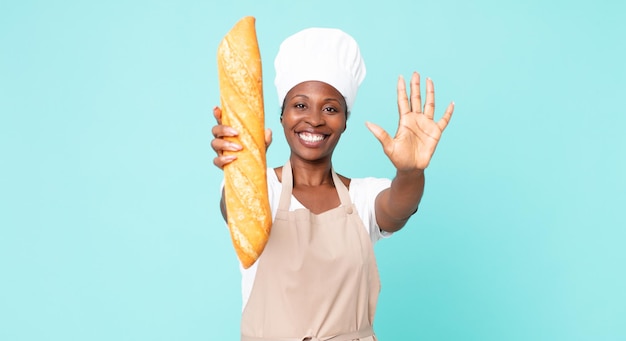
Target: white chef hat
[(320, 54)]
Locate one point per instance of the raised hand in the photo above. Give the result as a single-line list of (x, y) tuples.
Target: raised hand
[(412, 148), (220, 144)]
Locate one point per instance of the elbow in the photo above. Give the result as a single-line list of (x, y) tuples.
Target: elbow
[(392, 224)]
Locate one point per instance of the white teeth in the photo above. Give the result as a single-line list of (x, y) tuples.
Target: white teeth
[(308, 137)]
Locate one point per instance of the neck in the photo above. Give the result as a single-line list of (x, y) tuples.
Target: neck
[(311, 173)]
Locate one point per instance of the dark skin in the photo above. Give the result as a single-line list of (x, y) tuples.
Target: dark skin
[(314, 117), (313, 120)]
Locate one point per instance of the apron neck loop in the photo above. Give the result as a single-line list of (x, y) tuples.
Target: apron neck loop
[(287, 188)]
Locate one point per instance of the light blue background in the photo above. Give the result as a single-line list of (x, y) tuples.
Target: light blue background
[(110, 228)]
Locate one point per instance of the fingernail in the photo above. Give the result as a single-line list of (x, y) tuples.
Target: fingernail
[(235, 146), (232, 131)]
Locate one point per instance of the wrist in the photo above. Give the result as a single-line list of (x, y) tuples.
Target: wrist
[(409, 173)]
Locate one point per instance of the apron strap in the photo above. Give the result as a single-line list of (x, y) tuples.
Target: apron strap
[(287, 184), (344, 194), (287, 188)]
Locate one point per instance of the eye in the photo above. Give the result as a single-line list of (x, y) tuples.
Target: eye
[(299, 106), (331, 109)]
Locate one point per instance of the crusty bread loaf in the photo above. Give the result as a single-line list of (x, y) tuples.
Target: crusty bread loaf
[(241, 95)]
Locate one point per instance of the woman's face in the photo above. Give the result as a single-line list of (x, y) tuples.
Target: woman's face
[(313, 119)]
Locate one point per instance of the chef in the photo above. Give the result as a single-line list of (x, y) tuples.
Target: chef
[(317, 278)]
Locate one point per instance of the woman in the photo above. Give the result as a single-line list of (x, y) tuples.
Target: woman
[(317, 277)]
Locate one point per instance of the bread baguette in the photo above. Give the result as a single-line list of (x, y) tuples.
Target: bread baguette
[(241, 96)]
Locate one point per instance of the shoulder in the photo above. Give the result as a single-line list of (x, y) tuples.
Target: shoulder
[(363, 191), (369, 186)]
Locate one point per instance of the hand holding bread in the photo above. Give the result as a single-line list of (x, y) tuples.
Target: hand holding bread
[(220, 145)]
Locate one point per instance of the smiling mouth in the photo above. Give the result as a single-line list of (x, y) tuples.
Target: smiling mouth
[(311, 138)]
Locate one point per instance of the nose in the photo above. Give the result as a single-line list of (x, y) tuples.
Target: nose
[(315, 118)]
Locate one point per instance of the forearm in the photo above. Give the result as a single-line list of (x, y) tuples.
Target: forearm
[(400, 201)]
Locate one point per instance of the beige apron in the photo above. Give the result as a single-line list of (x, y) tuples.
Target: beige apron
[(317, 278)]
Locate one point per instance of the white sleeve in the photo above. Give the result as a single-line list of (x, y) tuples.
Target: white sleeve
[(363, 193)]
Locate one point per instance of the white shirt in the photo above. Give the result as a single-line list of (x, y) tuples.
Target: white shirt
[(363, 192)]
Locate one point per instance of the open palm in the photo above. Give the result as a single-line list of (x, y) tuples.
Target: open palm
[(418, 134)]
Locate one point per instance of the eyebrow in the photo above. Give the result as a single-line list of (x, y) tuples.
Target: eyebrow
[(299, 95), (325, 99), (332, 99)]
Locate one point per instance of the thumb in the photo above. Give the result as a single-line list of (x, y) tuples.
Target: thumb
[(380, 133), (268, 138)]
